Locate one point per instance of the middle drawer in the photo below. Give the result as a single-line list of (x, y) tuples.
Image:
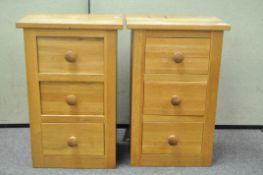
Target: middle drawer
[(175, 94), (74, 98)]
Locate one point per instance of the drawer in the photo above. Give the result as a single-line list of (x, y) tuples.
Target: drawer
[(180, 139), (73, 139), (74, 98), (70, 55), (177, 55), (174, 95)]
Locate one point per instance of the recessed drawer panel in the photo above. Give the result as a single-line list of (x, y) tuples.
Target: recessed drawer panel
[(74, 98), (177, 55), (73, 139), (70, 55), (180, 139), (168, 95)]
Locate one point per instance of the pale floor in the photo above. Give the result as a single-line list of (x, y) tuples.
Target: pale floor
[(236, 152)]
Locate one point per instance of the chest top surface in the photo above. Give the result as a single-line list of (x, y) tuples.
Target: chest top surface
[(71, 21), (176, 23)]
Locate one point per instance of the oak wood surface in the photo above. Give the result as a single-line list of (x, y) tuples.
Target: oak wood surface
[(172, 118), (45, 118), (154, 22), (71, 21), (189, 138), (110, 101), (88, 55), (211, 98), (138, 46), (33, 97), (160, 54), (72, 56), (155, 121), (89, 137), (89, 98), (158, 97)]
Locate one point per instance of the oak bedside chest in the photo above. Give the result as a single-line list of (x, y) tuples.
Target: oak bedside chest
[(175, 72), (71, 75)]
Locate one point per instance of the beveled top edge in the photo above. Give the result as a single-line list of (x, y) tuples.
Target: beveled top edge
[(71, 21), (149, 22)]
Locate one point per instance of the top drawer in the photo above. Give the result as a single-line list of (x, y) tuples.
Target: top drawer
[(70, 55), (177, 55)]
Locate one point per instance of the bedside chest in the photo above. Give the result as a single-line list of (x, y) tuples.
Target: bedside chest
[(175, 72), (71, 75)]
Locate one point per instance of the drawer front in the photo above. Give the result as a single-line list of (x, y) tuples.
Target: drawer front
[(73, 139), (70, 55), (174, 97), (177, 55), (181, 139), (75, 98)]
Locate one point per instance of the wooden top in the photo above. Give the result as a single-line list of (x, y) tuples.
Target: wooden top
[(176, 23), (71, 21)]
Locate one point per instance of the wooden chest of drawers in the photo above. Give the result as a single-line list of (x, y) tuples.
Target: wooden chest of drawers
[(175, 71), (71, 73)]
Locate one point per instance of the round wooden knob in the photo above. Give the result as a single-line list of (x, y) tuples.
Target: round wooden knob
[(172, 140), (71, 100), (73, 141), (70, 56), (175, 100), (178, 57)]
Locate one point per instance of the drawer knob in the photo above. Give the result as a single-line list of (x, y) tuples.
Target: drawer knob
[(70, 56), (73, 141), (71, 100), (178, 57), (172, 140), (175, 100)]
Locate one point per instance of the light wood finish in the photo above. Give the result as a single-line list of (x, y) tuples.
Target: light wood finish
[(110, 97), (172, 118), (59, 98), (175, 71), (71, 21), (138, 46), (151, 22), (174, 98), (73, 139), (72, 118), (56, 55), (162, 53), (71, 77), (71, 70), (211, 101), (186, 139), (33, 97)]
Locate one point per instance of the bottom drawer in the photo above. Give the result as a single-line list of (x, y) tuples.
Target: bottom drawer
[(181, 139), (73, 139)]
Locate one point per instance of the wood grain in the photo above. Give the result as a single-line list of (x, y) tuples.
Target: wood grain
[(33, 96), (138, 47), (158, 95), (172, 118), (193, 80), (211, 99), (189, 135), (71, 21), (71, 70), (154, 22), (110, 100), (89, 98), (160, 52), (88, 52), (72, 118), (90, 138)]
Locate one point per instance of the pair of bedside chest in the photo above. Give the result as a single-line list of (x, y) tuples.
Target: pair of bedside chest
[(71, 73)]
